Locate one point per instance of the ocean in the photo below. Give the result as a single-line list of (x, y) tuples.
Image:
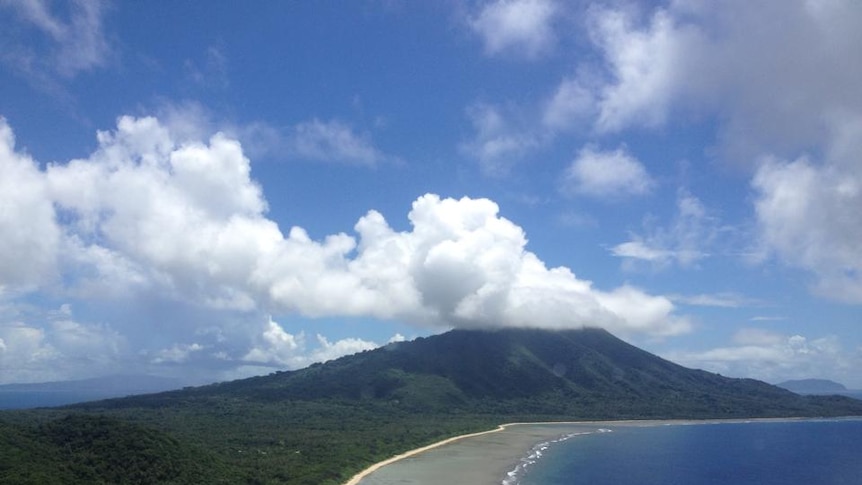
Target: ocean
[(810, 452)]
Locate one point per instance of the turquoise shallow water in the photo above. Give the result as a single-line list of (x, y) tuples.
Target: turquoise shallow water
[(762, 453)]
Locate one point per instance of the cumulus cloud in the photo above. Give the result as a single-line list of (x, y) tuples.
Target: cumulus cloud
[(773, 357), (808, 217), (643, 67), (327, 350), (806, 211), (187, 220), (30, 235), (522, 27), (773, 75), (606, 174), (67, 44), (645, 64), (777, 81), (775, 78), (276, 347)]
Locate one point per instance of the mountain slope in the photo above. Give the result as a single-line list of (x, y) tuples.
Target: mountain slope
[(585, 373), (321, 424)]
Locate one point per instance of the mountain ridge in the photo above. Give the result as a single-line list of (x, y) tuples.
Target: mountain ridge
[(587, 373)]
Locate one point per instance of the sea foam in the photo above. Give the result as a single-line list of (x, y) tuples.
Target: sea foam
[(514, 477)]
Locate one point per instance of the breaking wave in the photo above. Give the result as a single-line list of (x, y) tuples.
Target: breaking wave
[(536, 452)]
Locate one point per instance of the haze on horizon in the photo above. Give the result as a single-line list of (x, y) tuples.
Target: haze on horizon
[(219, 191)]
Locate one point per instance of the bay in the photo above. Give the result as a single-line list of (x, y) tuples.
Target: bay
[(811, 452)]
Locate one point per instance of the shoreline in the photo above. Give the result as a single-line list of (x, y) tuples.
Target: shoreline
[(407, 454), (554, 429)]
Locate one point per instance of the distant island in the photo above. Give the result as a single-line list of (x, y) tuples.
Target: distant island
[(59, 393), (813, 386), (324, 423)]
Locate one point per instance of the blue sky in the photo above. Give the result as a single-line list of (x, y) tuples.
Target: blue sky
[(212, 191)]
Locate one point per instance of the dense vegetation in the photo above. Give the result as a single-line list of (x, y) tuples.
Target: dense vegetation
[(96, 449), (322, 424)]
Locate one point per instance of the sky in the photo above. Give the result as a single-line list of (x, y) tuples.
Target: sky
[(216, 190)]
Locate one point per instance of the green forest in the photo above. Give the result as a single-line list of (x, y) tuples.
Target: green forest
[(323, 424)]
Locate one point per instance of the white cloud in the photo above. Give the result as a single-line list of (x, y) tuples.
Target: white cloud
[(327, 350), (646, 65), (519, 26), (68, 45), (24, 345), (397, 338), (808, 214), (723, 300), (53, 346), (639, 250), (183, 216), (774, 357), (778, 80), (606, 174), (29, 236), (176, 354), (773, 75), (276, 347), (499, 142), (687, 240), (94, 341), (332, 141), (573, 105), (148, 217)]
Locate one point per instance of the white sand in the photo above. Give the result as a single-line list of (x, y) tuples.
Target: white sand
[(478, 458), (485, 458)]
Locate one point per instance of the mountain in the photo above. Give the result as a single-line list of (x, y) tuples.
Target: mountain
[(321, 424), (44, 394), (813, 386), (585, 374)]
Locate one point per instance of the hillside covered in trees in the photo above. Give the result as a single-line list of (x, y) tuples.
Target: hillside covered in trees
[(321, 424)]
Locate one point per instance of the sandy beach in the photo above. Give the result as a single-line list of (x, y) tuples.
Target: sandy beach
[(486, 458), (478, 458)]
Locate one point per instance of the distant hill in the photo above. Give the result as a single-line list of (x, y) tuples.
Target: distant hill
[(814, 386), (59, 393), (320, 424)]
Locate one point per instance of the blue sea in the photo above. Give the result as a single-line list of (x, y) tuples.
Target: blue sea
[(815, 452)]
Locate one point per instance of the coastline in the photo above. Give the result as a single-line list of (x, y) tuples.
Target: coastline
[(488, 456), (373, 468)]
